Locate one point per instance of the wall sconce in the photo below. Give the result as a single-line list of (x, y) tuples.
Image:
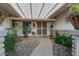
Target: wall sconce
[(33, 24), (67, 20)]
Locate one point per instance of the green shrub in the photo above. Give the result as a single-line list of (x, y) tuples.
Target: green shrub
[(67, 41), (58, 39), (10, 41)]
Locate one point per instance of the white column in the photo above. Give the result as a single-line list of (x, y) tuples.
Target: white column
[(36, 27), (48, 28), (42, 28)]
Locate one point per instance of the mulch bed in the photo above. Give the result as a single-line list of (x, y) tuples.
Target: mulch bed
[(60, 50)]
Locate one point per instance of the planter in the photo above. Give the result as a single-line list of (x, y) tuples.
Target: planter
[(73, 15), (75, 21)]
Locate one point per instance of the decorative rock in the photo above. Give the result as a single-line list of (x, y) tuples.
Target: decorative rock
[(2, 39), (1, 45), (2, 51), (60, 50)]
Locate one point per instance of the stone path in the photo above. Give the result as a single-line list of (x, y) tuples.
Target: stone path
[(44, 48), (25, 47)]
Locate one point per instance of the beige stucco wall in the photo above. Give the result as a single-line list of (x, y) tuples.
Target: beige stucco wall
[(61, 23), (19, 24), (19, 28)]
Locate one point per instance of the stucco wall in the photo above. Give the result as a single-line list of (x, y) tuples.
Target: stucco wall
[(61, 23), (19, 28)]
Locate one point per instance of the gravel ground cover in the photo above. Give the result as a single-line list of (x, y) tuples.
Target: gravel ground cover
[(60, 50)]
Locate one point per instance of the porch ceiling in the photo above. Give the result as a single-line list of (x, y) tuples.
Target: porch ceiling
[(36, 10)]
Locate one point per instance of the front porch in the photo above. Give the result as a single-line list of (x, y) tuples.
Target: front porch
[(33, 28)]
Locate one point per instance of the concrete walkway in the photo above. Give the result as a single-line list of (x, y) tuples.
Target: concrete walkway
[(44, 48)]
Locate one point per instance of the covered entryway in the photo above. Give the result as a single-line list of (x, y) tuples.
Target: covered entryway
[(33, 27)]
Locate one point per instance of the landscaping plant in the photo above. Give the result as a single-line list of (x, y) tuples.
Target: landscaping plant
[(63, 40), (10, 41), (68, 41), (58, 40)]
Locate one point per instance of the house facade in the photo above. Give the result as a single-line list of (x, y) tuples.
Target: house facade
[(38, 26), (34, 27), (57, 20), (43, 27)]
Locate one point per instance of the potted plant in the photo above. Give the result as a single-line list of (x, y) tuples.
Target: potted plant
[(73, 15), (74, 10)]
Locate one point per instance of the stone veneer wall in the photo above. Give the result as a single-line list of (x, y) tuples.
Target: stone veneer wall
[(2, 50), (3, 33)]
